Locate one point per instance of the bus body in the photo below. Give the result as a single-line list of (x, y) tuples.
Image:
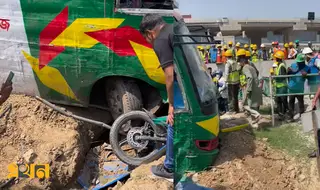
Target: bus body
[(83, 52)]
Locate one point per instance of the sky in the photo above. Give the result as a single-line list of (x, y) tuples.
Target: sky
[(249, 9)]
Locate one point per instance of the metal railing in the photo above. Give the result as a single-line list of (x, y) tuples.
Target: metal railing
[(272, 94)]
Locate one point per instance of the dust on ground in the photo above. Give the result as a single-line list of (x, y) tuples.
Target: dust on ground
[(245, 163), (141, 178), (34, 133)]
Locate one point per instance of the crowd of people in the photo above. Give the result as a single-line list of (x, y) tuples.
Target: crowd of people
[(216, 53), (241, 79)]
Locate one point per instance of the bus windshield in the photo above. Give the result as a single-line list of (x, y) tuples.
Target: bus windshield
[(199, 75)]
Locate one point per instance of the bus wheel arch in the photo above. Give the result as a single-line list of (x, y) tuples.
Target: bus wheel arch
[(123, 94)]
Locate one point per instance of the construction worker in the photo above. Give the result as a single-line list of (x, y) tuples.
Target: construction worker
[(292, 51), (263, 54), (248, 57), (310, 45), (233, 80), (281, 84), (286, 50), (246, 47), (223, 92), (208, 58), (252, 94), (219, 54), (213, 54), (254, 54), (314, 67), (225, 48), (238, 45), (297, 42), (230, 44), (202, 53), (296, 84)]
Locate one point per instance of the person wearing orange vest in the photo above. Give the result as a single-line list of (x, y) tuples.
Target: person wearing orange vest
[(225, 48), (292, 51), (286, 50), (219, 54), (275, 49)]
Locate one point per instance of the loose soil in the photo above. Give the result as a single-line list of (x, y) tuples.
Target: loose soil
[(51, 138), (248, 164)]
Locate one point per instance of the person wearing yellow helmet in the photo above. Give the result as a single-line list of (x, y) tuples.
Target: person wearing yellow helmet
[(252, 94), (292, 52), (254, 53), (230, 44), (232, 75), (285, 50), (281, 84), (246, 47), (225, 48)]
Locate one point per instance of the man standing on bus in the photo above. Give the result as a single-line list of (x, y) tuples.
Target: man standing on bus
[(160, 35)]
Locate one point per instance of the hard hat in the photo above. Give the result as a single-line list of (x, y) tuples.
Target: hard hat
[(309, 42), (291, 44), (307, 50), (262, 46), (230, 42), (300, 58), (254, 46), (275, 65), (200, 47), (248, 54), (272, 43), (271, 70), (279, 54), (297, 41), (225, 47), (208, 46), (241, 52), (218, 72), (228, 53), (219, 45), (246, 45), (251, 45), (238, 44), (286, 45)]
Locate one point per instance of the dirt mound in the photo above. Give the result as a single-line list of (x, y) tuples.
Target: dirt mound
[(142, 179), (247, 163), (40, 135)]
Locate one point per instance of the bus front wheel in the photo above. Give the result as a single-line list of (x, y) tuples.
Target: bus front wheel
[(123, 95)]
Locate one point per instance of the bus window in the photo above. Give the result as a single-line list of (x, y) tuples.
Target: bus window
[(146, 4)]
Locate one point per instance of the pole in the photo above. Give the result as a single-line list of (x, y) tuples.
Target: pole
[(271, 97), (315, 131)]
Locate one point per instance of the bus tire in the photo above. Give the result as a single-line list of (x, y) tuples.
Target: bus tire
[(122, 96)]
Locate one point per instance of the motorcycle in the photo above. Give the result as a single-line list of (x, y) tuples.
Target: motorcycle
[(140, 134)]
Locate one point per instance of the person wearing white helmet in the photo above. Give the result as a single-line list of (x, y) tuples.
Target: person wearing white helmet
[(314, 67), (263, 54)]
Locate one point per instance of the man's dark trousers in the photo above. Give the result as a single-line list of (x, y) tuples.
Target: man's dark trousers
[(233, 92)]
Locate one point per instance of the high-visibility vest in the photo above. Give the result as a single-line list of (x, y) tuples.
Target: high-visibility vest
[(224, 57), (280, 82), (254, 57), (234, 75), (243, 80), (202, 55)]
